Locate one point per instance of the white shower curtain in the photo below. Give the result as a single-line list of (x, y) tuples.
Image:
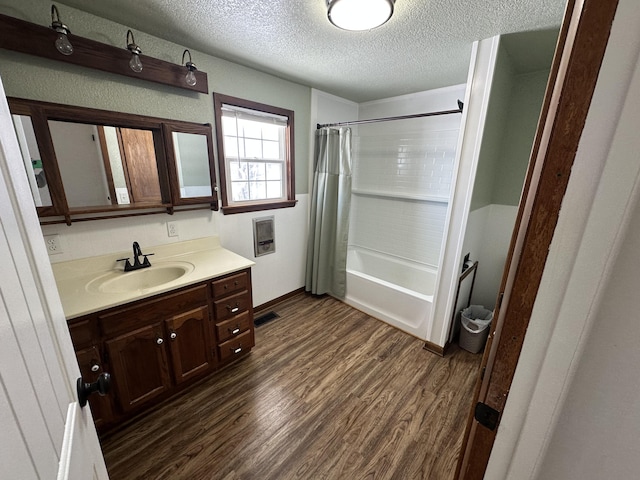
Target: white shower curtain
[(329, 219)]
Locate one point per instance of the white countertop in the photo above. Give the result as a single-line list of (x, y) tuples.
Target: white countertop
[(204, 257)]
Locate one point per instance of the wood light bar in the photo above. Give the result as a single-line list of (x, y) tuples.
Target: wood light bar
[(25, 37)]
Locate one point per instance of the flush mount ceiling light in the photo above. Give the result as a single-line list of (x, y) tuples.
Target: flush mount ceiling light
[(62, 41), (359, 14)]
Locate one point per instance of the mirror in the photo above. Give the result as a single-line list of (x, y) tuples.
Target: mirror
[(83, 161), (190, 150), (32, 160), (193, 175), (105, 165)]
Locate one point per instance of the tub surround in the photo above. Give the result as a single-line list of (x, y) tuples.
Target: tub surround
[(207, 257), (394, 290)]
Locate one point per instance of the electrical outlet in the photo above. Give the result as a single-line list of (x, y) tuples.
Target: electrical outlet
[(172, 229), (53, 244)]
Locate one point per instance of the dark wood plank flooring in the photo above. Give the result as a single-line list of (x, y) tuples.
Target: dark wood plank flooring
[(327, 393)]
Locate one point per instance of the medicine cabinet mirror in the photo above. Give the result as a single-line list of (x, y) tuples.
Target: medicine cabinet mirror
[(190, 154), (87, 164)]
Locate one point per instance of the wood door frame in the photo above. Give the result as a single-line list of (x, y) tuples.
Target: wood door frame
[(581, 46)]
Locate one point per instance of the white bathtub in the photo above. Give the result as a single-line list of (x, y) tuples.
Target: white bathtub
[(391, 289)]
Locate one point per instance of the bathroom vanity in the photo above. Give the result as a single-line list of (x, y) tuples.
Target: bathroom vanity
[(156, 330)]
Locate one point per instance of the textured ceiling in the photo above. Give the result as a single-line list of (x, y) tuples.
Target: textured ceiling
[(426, 44)]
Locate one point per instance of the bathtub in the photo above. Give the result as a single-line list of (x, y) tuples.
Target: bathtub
[(391, 289)]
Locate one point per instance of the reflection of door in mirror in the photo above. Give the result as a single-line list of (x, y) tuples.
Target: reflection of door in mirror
[(32, 160), (102, 165), (139, 161), (192, 163)]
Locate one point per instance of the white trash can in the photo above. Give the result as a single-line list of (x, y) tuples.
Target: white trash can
[(475, 321)]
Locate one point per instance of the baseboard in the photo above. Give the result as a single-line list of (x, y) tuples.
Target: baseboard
[(275, 301), (437, 349)]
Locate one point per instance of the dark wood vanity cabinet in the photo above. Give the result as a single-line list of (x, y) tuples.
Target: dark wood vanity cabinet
[(155, 347)]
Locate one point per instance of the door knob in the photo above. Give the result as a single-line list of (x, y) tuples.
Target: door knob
[(101, 385)]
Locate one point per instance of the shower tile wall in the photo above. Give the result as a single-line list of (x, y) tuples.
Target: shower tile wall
[(402, 184)]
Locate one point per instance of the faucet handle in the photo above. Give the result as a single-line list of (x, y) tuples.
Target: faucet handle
[(145, 262), (127, 265)]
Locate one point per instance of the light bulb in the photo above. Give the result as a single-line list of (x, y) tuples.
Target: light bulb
[(135, 63), (63, 44), (191, 78)]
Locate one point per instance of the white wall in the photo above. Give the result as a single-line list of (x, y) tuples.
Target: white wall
[(598, 431), (488, 237)]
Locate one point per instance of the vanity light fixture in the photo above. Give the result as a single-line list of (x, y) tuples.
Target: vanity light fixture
[(32, 39), (63, 45), (190, 78), (359, 14), (134, 63)]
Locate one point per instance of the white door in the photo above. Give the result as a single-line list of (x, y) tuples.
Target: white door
[(45, 433)]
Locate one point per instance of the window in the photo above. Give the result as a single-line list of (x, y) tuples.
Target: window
[(255, 155)]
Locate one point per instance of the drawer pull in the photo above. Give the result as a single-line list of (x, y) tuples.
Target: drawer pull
[(173, 335), (237, 350), (233, 309), (95, 367), (235, 331), (159, 341), (236, 283)]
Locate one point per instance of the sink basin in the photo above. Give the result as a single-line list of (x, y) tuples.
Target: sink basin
[(144, 279)]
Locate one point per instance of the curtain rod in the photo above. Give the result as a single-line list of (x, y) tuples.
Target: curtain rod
[(386, 119)]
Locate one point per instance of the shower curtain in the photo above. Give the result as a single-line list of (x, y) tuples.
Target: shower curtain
[(329, 219)]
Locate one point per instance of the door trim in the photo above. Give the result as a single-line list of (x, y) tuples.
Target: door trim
[(582, 43)]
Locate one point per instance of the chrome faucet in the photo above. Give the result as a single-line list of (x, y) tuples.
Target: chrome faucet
[(137, 253)]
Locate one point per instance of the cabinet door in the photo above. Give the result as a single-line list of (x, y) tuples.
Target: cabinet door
[(189, 343), (90, 367), (139, 366)]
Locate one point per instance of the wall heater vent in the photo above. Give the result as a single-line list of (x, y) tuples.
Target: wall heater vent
[(264, 240)]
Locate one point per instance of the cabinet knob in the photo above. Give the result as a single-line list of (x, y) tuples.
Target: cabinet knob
[(95, 367), (159, 341), (173, 335)]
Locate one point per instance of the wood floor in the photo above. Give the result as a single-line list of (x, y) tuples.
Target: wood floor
[(327, 393)]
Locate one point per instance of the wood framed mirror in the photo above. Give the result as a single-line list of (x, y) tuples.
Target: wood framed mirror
[(85, 163), (190, 155)]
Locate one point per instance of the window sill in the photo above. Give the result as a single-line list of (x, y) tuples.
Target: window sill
[(231, 209)]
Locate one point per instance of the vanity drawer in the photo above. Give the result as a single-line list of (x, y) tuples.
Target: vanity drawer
[(231, 306), (236, 346), (231, 284), (120, 320), (233, 327)]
